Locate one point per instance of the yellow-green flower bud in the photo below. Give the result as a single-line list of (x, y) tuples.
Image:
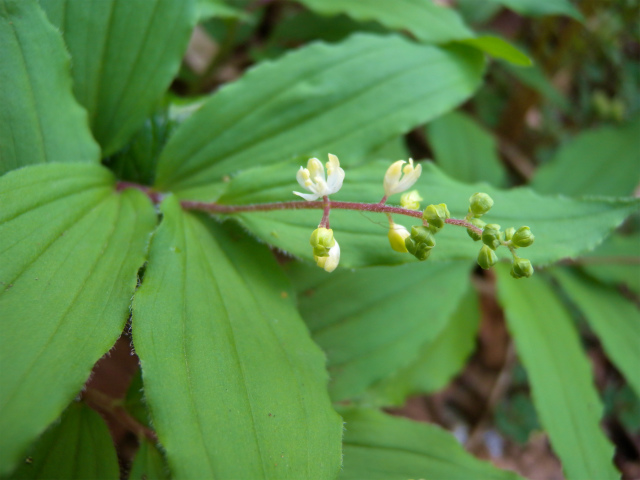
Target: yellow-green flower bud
[(322, 240), (436, 215), (487, 258), (508, 233), (523, 237), (397, 235), (472, 233), (422, 235), (411, 200), (521, 268), (420, 243), (480, 203), (422, 252), (491, 236)]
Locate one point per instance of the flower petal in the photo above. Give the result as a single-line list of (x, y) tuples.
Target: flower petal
[(331, 262), (335, 175), (315, 169), (392, 177), (309, 197), (303, 176)]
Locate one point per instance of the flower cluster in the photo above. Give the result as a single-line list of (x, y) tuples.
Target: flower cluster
[(313, 179), (420, 241), (492, 237)]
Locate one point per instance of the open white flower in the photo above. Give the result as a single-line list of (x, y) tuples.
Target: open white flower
[(313, 180), (392, 181), (331, 262)]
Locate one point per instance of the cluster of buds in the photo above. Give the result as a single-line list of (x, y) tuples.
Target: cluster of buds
[(326, 251), (401, 176), (492, 237)]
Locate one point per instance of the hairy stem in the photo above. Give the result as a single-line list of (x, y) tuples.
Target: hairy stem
[(323, 205)]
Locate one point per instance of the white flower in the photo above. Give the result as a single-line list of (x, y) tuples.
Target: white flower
[(331, 262), (392, 182), (313, 180)]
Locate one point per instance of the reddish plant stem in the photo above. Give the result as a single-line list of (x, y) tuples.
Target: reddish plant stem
[(113, 407), (325, 214), (325, 205), (155, 197)]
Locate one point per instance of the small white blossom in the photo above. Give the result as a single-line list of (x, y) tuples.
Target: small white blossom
[(313, 179), (392, 182), (331, 262)]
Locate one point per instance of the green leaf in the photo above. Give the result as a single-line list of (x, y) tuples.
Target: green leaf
[(560, 374), (148, 464), (616, 261), (370, 327), (499, 48), (383, 447), (208, 9), (438, 362), (136, 162), (306, 26), (135, 51), (70, 249), (79, 445), (615, 319), (40, 120), (602, 161), (538, 8), (563, 227), (465, 150), (427, 21), (234, 384), (345, 99)]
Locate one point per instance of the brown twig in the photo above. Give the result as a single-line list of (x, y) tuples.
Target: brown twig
[(112, 407)]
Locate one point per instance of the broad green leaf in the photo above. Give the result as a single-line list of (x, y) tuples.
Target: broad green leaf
[(208, 9), (136, 162), (79, 445), (70, 250), (148, 463), (392, 150), (427, 21), (560, 374), (563, 227), (40, 120), (464, 150), (615, 319), (438, 361), (307, 26), (616, 261), (234, 384), (536, 8), (383, 447), (603, 161), (499, 48), (134, 51), (475, 12), (345, 99), (375, 321)]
